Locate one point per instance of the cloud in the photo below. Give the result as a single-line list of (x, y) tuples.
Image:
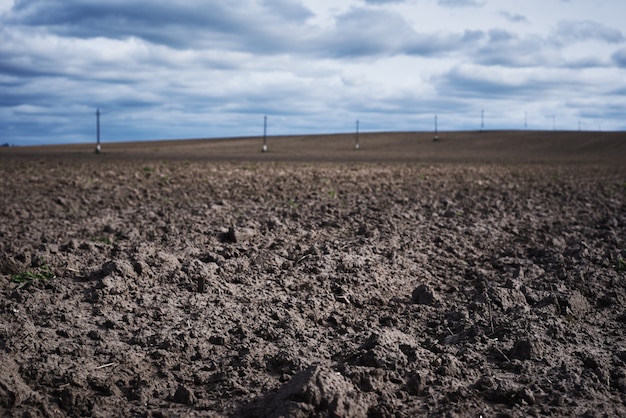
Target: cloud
[(579, 31), (537, 85), (538, 93), (363, 32), (291, 10), (514, 17), (383, 2), (234, 26), (460, 3), (619, 57), (237, 24), (367, 32), (500, 47), (474, 82)]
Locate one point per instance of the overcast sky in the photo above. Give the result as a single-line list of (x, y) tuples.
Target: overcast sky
[(161, 69)]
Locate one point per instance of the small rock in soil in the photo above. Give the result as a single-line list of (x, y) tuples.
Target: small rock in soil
[(229, 237), (315, 392), (184, 396), (424, 295), (524, 349)]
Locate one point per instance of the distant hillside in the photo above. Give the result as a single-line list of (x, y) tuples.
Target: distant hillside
[(471, 147)]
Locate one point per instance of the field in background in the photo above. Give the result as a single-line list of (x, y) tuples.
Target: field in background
[(473, 146)]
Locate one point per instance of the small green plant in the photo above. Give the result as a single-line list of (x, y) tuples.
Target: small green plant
[(620, 264), (332, 194), (40, 274), (148, 169), (292, 204), (104, 240)]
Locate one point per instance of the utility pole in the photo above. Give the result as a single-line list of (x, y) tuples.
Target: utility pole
[(525, 120), (264, 149), (436, 137), (482, 120), (356, 145), (98, 149)]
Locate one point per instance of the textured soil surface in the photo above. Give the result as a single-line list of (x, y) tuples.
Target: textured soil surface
[(133, 284)]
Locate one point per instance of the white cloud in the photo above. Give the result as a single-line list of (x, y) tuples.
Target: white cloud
[(460, 3), (5, 6), (569, 31), (514, 17), (619, 57)]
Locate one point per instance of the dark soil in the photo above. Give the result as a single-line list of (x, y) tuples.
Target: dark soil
[(155, 287)]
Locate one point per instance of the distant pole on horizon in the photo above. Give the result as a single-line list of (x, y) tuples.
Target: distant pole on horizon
[(525, 120), (482, 120), (98, 148), (436, 137), (356, 145), (264, 149)]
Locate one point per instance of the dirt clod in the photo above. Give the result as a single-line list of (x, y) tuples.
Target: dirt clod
[(424, 295)]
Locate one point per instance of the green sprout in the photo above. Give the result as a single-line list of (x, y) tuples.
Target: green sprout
[(104, 240), (42, 273), (620, 264)]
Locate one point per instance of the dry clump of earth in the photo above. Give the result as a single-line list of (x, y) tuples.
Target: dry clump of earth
[(373, 289)]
